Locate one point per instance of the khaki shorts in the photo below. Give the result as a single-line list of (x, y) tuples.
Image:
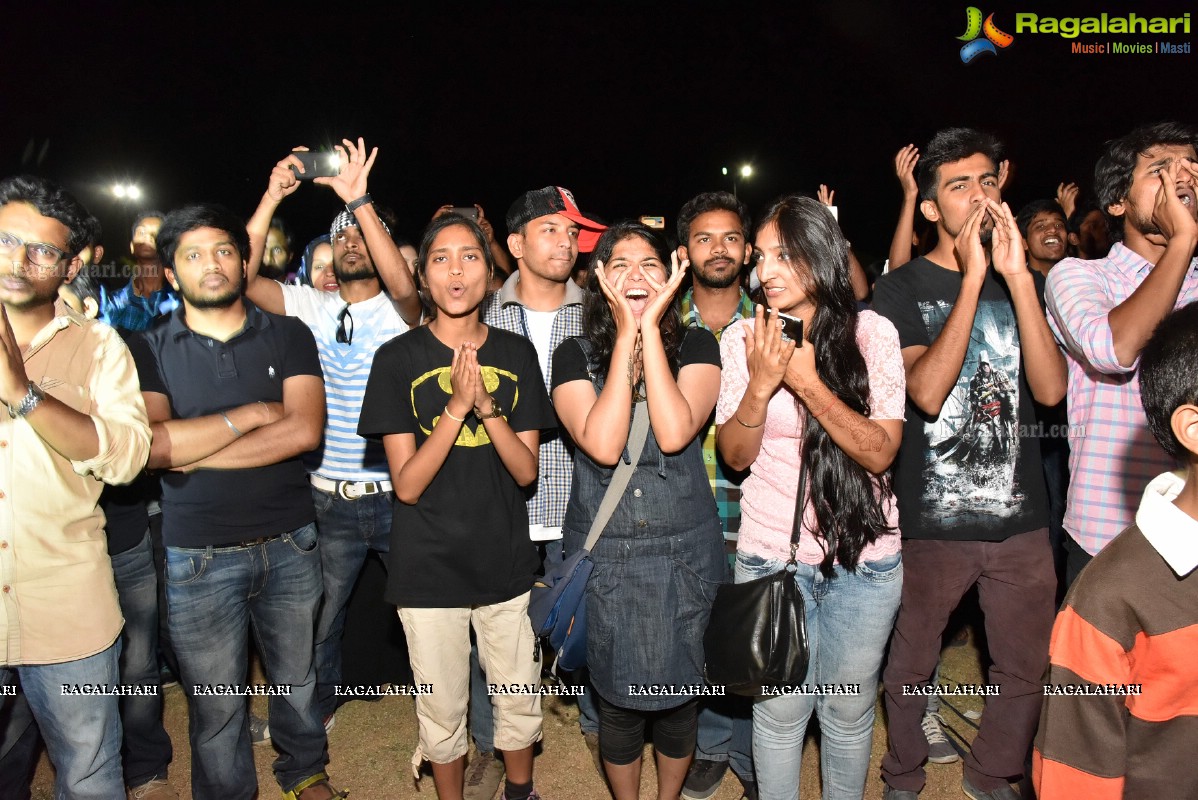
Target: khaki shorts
[(439, 650)]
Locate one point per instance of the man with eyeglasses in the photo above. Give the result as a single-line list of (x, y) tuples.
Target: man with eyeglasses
[(75, 419), (376, 301)]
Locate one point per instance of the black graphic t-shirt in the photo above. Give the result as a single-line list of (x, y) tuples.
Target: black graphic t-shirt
[(973, 473), (465, 541)]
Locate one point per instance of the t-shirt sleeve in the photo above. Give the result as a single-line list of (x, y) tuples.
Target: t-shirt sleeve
[(699, 346), (569, 363), (386, 406), (302, 302), (300, 354), (146, 361), (533, 412), (879, 344), (894, 300), (734, 376)]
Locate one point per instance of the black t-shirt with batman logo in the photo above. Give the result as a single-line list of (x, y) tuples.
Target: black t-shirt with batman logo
[(465, 541)]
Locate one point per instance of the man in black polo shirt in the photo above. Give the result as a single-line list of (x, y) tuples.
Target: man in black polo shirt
[(235, 395)]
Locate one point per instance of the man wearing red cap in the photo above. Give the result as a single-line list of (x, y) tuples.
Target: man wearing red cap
[(546, 232)]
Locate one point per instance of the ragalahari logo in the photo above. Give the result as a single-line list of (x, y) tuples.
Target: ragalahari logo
[(974, 27)]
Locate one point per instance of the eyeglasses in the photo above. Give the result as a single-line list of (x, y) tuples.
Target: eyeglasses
[(345, 333), (39, 254)]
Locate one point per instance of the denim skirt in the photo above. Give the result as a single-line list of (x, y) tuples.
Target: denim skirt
[(648, 602)]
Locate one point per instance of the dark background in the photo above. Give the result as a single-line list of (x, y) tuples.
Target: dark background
[(633, 106)]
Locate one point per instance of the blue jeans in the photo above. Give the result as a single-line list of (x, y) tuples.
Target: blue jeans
[(348, 530), (216, 596), (146, 751), (726, 733), (849, 619), (82, 732)]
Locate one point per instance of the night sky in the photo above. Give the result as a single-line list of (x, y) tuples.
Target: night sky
[(633, 106)]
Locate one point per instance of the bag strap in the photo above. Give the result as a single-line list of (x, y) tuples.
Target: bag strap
[(800, 499), (621, 475)]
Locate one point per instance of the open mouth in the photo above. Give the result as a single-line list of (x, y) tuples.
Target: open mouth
[(1186, 195), (1052, 241), (457, 289)]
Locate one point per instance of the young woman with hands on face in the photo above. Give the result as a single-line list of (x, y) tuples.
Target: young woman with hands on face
[(459, 407), (658, 562), (835, 403)]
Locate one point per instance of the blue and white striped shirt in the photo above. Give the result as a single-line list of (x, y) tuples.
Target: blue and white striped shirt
[(346, 456)]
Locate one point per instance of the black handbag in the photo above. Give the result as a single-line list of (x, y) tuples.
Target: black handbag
[(757, 634)]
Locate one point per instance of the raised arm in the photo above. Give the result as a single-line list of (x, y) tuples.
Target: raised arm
[(392, 267), (765, 356), (1045, 365), (932, 371), (904, 168), (678, 409), (262, 291), (600, 425), (503, 259), (1133, 321)]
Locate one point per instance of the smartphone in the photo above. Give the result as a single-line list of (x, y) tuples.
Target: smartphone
[(792, 327), (469, 212), (316, 165)]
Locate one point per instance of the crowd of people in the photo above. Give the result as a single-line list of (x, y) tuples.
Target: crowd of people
[(208, 452)]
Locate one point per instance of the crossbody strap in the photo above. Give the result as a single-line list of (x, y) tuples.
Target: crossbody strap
[(622, 474)]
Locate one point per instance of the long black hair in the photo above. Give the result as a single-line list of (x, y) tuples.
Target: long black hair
[(847, 497), (597, 320)]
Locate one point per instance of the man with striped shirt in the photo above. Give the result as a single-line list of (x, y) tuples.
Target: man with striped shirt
[(1103, 312), (376, 302)]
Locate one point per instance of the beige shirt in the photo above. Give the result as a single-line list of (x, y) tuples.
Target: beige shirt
[(58, 600)]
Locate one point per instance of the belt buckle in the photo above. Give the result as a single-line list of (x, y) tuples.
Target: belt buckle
[(367, 488)]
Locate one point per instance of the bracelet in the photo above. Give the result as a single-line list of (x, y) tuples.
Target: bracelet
[(825, 411), (747, 425), (354, 205), (449, 414), (232, 427)]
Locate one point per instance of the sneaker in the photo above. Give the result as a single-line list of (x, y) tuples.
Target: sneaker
[(899, 794), (750, 789), (592, 740), (259, 731), (483, 776), (703, 779), (315, 788), (532, 796), (940, 749), (1004, 792), (329, 722), (157, 789)]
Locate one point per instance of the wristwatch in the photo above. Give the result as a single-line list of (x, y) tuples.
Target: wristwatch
[(496, 411), (31, 400)]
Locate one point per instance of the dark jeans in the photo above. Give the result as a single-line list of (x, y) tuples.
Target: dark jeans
[(218, 596), (164, 631), (146, 749), (1016, 586), (348, 531)]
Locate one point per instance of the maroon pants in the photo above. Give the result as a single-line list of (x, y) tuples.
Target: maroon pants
[(1016, 588)]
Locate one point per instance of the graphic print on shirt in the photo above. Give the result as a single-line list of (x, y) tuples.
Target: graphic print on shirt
[(970, 473), (432, 390)]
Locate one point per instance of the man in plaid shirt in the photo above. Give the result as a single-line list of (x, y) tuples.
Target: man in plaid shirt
[(713, 235), (1103, 313), (546, 232)]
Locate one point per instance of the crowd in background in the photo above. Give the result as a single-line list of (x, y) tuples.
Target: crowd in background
[(207, 451)]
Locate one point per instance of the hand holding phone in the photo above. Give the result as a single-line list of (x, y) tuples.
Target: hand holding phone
[(792, 327), (316, 165)]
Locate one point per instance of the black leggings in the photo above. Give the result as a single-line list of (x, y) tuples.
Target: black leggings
[(622, 731)]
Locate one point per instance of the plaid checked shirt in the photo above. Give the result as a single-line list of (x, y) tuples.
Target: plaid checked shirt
[(556, 466), (125, 309), (1112, 455), (727, 492)]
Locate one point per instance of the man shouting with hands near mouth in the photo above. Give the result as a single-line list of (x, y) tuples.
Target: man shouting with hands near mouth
[(972, 512), (1103, 312)]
